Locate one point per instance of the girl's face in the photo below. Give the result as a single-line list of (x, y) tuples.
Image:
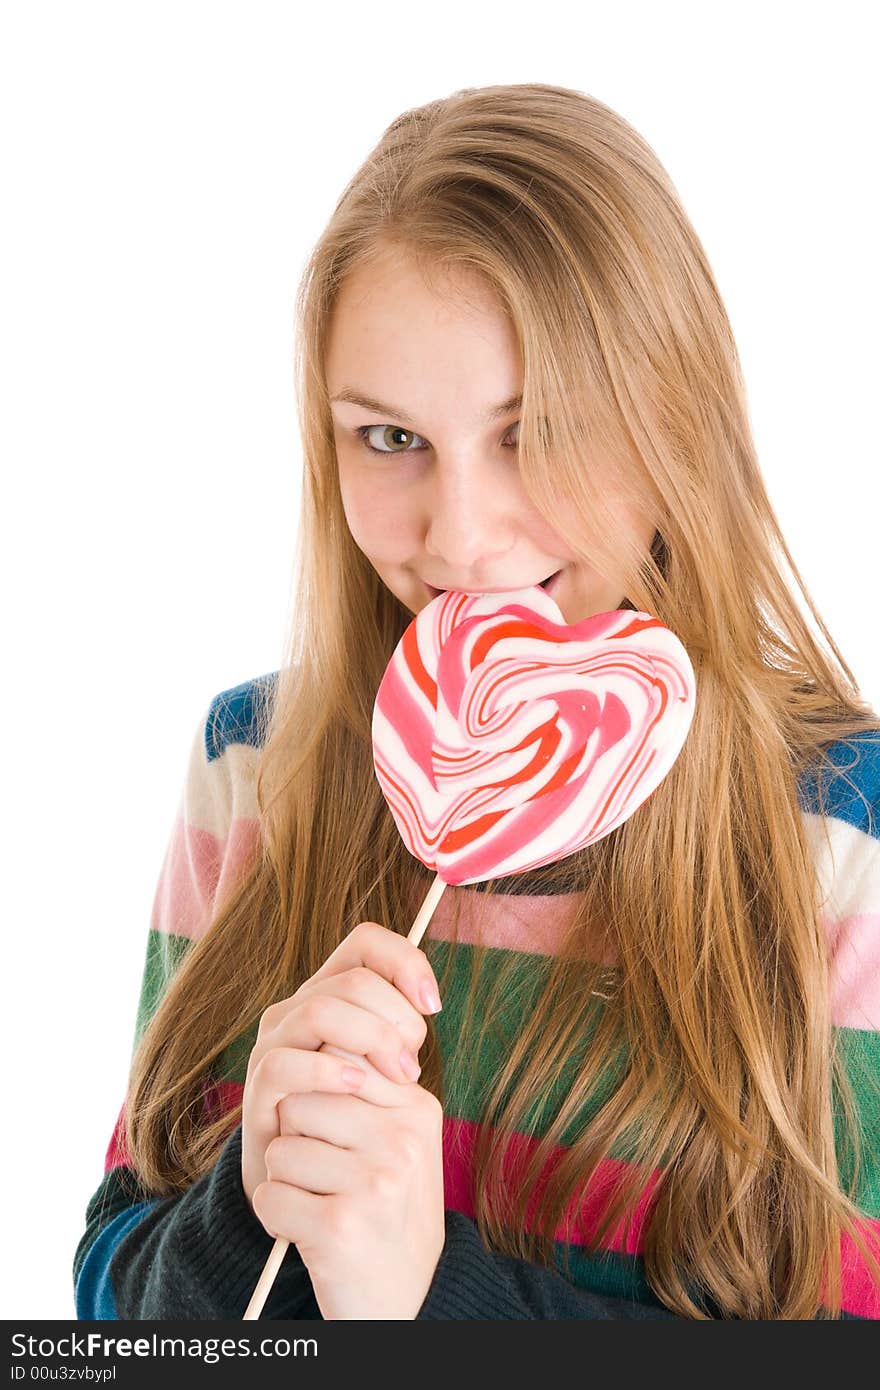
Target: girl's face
[(440, 505)]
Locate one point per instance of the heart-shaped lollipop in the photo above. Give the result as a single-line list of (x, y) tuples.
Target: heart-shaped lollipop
[(504, 739)]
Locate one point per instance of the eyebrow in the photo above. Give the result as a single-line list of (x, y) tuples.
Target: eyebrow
[(383, 408)]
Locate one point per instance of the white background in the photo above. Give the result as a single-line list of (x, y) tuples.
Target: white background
[(165, 169)]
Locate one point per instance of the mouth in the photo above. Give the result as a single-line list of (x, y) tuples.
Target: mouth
[(545, 584)]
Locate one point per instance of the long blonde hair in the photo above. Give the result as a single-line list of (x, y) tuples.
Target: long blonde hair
[(633, 388)]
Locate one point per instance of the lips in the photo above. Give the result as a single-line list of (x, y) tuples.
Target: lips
[(543, 584)]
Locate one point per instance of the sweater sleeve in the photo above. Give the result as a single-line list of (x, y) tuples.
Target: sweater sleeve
[(198, 1254)]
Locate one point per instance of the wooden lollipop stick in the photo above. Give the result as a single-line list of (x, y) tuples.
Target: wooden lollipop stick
[(279, 1249)]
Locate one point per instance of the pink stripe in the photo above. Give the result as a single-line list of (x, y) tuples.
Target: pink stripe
[(511, 921), (577, 1226), (517, 922), (855, 971), (198, 871), (117, 1154), (860, 1294), (220, 1098)]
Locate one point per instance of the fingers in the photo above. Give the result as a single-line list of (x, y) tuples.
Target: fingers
[(368, 1000), (270, 1078), (370, 991), (312, 1164), (328, 1019), (355, 1120), (288, 1212), (393, 957), (320, 1135), (283, 1070)]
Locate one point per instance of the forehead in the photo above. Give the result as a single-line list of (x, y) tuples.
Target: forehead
[(392, 271), (397, 333)]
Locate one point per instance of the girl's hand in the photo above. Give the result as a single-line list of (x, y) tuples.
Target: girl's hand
[(358, 1187), (367, 1002)]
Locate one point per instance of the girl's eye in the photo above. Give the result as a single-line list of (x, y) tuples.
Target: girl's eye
[(390, 431), (390, 434)]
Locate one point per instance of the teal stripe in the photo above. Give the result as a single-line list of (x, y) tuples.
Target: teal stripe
[(93, 1293), (608, 1272)]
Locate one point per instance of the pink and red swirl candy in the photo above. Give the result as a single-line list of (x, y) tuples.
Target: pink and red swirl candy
[(503, 739)]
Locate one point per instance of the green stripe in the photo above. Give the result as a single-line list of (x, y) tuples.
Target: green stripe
[(507, 993), (232, 1063), (860, 1052), (469, 1062), (165, 951)]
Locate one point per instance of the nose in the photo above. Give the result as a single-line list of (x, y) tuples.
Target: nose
[(470, 523)]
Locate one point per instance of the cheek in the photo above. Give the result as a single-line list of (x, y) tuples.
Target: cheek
[(358, 503), (378, 519), (543, 534)]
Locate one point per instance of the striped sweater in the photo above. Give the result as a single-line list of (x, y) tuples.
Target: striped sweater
[(199, 1254)]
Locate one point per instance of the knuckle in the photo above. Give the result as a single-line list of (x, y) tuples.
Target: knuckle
[(395, 1039), (273, 1065), (316, 1010), (409, 1151), (261, 1071), (268, 1020), (288, 1108), (338, 1222), (274, 1150), (261, 1203), (382, 1185)]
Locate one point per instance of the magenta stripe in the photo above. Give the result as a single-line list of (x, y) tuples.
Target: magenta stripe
[(577, 1226), (117, 1154), (860, 1295)]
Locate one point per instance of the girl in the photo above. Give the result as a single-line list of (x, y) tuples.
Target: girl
[(651, 1087)]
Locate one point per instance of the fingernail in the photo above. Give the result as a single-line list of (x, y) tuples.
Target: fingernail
[(409, 1065), (431, 999)]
